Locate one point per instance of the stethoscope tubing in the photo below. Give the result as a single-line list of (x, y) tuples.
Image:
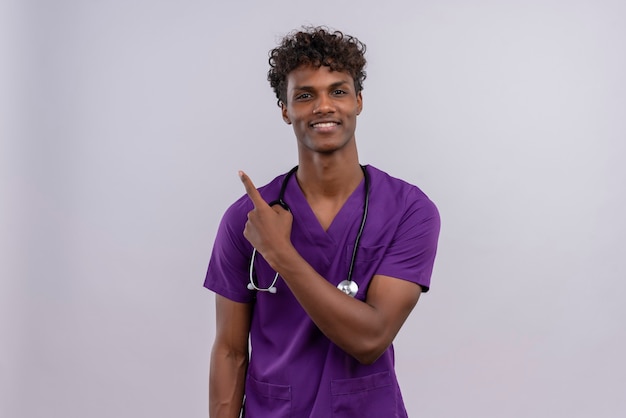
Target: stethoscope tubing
[(348, 286)]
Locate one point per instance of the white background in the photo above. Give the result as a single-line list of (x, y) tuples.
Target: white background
[(123, 126)]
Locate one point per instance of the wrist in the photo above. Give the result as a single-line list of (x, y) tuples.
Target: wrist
[(281, 257)]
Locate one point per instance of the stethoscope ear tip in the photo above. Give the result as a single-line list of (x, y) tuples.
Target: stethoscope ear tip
[(250, 286), (272, 289)]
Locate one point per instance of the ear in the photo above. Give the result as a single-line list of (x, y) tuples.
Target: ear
[(359, 103), (283, 110)]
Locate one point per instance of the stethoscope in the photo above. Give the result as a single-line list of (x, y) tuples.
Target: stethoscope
[(348, 286)]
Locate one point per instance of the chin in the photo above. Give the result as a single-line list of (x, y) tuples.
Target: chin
[(326, 146)]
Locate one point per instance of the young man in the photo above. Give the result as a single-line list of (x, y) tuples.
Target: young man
[(320, 279)]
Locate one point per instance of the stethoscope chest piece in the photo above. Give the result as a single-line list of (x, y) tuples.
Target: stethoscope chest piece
[(349, 287)]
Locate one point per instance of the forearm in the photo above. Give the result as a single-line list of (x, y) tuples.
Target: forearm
[(355, 326), (226, 383)]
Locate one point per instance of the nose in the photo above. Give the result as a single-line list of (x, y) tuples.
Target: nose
[(324, 104)]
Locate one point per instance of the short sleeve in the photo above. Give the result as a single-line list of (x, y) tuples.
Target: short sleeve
[(227, 274), (411, 253)]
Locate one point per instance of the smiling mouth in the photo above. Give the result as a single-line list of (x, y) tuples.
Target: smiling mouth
[(324, 124)]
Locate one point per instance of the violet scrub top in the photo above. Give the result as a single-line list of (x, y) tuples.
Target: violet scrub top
[(294, 369)]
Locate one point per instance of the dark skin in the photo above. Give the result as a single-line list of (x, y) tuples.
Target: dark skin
[(322, 106)]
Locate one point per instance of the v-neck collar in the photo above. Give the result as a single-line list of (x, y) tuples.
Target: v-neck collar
[(349, 213)]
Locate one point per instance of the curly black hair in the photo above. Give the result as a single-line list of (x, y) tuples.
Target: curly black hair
[(316, 46)]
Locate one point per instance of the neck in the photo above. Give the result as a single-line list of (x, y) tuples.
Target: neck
[(328, 179)]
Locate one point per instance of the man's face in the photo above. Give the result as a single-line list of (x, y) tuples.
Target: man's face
[(322, 105)]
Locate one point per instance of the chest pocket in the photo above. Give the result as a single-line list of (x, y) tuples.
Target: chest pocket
[(364, 397), (371, 255), (367, 261)]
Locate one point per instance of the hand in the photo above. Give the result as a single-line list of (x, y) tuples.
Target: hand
[(269, 227)]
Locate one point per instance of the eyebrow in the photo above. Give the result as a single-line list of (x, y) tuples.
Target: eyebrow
[(311, 88)]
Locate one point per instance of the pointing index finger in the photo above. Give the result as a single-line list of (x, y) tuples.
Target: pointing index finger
[(251, 191)]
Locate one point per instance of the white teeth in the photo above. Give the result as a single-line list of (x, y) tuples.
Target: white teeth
[(324, 124)]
